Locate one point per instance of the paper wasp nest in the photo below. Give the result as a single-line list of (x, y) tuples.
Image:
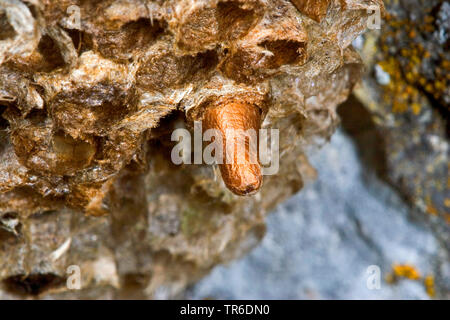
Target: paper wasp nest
[(90, 92)]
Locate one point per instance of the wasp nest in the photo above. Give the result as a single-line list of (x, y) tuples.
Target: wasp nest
[(90, 92)]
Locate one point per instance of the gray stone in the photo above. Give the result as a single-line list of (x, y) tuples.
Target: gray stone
[(321, 242)]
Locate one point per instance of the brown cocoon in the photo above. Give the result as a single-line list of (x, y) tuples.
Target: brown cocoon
[(240, 174)]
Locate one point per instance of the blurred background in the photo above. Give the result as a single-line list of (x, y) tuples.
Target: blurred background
[(321, 243)]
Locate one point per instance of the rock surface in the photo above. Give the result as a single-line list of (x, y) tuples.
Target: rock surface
[(407, 93), (321, 242)]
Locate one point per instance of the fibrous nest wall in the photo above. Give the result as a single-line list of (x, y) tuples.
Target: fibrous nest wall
[(90, 92)]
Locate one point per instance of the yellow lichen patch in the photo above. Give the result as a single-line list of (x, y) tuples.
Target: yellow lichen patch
[(448, 178), (447, 218), (429, 285), (447, 202), (402, 93), (399, 271), (415, 108), (431, 209), (398, 92), (412, 34), (408, 271)]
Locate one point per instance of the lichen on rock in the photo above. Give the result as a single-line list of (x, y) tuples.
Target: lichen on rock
[(407, 95)]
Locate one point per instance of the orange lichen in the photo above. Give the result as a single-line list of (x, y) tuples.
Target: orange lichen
[(431, 209), (447, 218), (408, 271), (399, 271), (406, 80), (429, 285), (447, 202)]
